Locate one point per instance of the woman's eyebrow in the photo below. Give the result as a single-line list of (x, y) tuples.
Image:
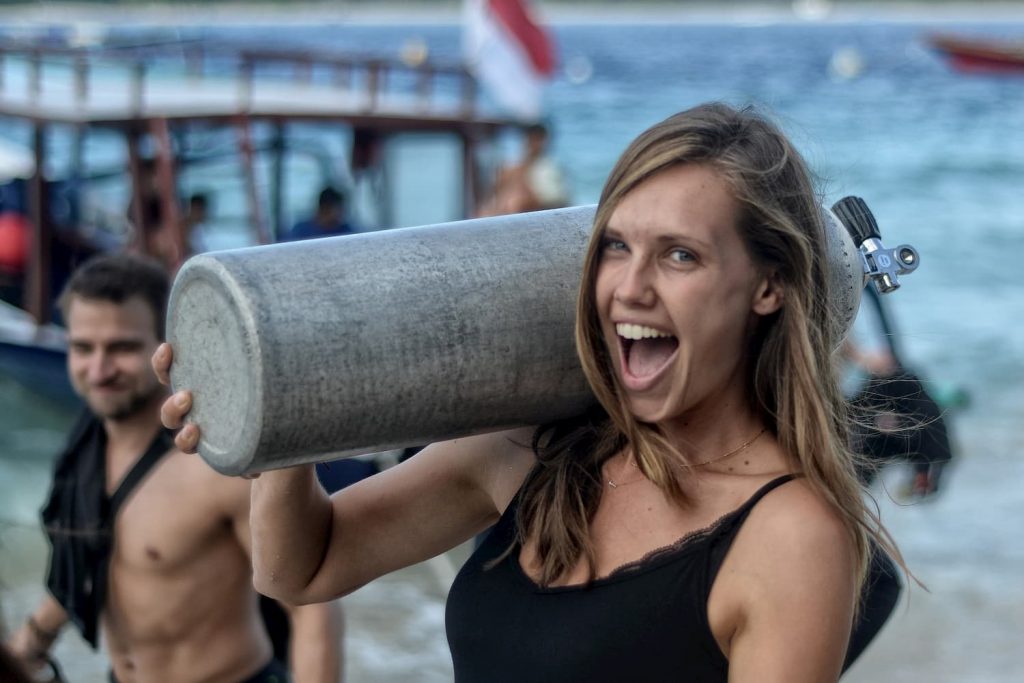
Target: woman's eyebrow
[(670, 237)]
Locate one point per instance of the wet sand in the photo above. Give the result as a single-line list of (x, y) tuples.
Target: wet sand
[(965, 547), (967, 628)]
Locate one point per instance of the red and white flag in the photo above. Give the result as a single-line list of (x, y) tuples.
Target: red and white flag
[(509, 53)]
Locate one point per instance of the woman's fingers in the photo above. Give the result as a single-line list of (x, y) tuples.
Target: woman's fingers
[(161, 361), (173, 410), (187, 439)]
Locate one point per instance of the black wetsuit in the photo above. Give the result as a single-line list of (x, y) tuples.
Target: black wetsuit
[(920, 436), (647, 621), (273, 672)]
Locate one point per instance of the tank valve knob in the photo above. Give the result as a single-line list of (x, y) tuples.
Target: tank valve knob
[(882, 265)]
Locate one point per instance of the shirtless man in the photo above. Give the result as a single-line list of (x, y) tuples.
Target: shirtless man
[(179, 603), (534, 184)]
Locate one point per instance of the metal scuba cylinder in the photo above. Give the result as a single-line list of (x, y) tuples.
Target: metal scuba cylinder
[(307, 351)]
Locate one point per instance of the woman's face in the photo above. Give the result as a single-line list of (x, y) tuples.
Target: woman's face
[(677, 295)]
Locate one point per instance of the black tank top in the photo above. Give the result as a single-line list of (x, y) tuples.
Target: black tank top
[(646, 621)]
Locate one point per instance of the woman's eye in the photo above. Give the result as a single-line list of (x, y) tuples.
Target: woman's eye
[(682, 256), (614, 245)]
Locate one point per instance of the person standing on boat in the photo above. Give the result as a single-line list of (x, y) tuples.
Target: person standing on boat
[(704, 522), (148, 545), (193, 223), (534, 184), (329, 219)]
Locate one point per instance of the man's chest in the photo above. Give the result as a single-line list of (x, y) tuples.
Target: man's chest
[(167, 523)]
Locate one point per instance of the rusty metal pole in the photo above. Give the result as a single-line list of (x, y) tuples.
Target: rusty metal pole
[(248, 159), (278, 148), (136, 212), (470, 174), (167, 189), (37, 289)]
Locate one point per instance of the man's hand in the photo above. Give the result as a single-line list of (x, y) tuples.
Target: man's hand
[(30, 644)]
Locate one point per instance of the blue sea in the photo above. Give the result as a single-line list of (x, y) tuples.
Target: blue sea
[(938, 156)]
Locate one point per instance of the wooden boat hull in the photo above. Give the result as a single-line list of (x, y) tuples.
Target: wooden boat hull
[(41, 370), (981, 56)]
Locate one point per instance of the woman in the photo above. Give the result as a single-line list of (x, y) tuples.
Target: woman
[(705, 522)]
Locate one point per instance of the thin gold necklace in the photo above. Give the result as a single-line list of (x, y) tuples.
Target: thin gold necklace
[(742, 447)]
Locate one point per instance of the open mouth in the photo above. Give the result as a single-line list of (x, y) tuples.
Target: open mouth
[(646, 351)]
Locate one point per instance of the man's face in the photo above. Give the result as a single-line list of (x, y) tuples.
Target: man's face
[(109, 347)]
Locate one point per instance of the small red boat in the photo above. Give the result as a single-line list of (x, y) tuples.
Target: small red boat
[(981, 54)]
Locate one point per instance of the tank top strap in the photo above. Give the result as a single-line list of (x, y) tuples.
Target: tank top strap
[(742, 511), (726, 532)]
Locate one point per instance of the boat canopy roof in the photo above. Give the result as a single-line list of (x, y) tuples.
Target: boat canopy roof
[(192, 81)]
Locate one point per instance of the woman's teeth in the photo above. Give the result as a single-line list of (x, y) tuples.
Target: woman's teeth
[(635, 332)]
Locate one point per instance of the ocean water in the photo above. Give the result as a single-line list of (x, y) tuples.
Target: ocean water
[(938, 156)]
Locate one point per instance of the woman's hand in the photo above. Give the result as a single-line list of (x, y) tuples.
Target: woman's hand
[(177, 405)]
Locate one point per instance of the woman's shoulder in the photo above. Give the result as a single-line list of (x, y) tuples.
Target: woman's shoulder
[(798, 517), (794, 542), (790, 577)]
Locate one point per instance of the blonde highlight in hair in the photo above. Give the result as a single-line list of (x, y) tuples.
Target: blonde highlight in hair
[(792, 385)]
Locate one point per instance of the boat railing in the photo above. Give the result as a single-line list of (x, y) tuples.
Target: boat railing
[(376, 75), (34, 75)]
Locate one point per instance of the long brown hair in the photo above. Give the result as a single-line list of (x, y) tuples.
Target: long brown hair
[(791, 381)]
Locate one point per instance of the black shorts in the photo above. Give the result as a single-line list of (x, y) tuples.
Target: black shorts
[(273, 672)]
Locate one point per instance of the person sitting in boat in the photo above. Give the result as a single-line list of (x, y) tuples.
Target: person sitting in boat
[(329, 219), (705, 520), (534, 184), (149, 546), (193, 224), (146, 215)]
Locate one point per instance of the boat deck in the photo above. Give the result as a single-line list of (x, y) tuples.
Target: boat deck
[(98, 89)]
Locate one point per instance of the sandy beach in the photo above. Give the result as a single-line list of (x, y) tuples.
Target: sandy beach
[(395, 625)]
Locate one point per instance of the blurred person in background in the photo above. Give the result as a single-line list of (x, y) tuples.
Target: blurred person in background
[(896, 418), (535, 183), (148, 545), (330, 218)]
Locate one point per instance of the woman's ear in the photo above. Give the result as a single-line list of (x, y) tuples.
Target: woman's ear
[(768, 296)]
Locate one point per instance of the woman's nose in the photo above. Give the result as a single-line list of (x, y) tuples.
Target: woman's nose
[(635, 287)]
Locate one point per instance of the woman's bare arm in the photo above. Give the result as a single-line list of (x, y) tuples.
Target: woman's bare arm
[(308, 547), (793, 574)]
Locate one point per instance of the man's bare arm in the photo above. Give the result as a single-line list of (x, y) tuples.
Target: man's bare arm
[(32, 641), (316, 630), (316, 644)]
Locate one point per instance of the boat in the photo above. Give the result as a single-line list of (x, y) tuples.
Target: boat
[(113, 139), (980, 55)]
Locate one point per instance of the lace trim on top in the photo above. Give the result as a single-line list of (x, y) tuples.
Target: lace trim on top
[(702, 534), (687, 540)]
